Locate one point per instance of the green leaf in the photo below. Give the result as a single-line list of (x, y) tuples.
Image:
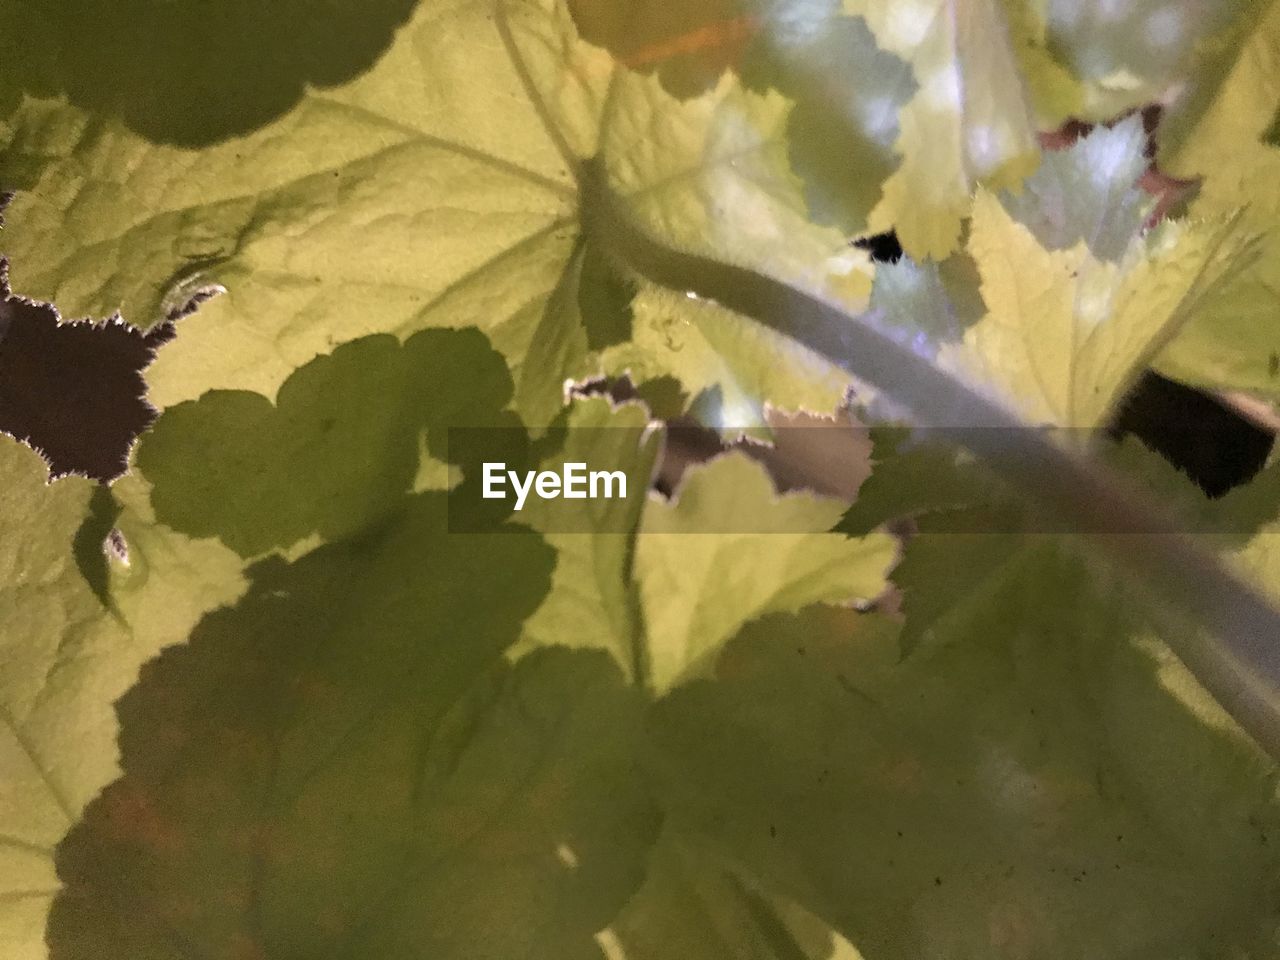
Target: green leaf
[(847, 95), (1056, 93), (43, 788), (68, 657), (967, 550), (653, 37), (693, 906), (713, 175), (729, 549), (1065, 332), (345, 428), (913, 302), (330, 222), (973, 546), (179, 77), (846, 91), (1128, 55), (592, 602), (732, 366), (436, 190), (1008, 794), (604, 301), (364, 733), (1234, 110), (1232, 341), (910, 476), (423, 811), (970, 122)]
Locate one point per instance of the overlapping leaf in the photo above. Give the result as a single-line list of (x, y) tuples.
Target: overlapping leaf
[(592, 602), (729, 550), (332, 765), (438, 189), (1088, 192), (693, 905), (730, 369), (1065, 332), (181, 77), (1127, 55), (1030, 799), (970, 122), (1233, 342), (79, 618), (372, 741)]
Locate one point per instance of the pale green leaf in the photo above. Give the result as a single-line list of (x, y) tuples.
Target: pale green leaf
[(68, 657), (436, 190), (592, 602), (1087, 193), (732, 366), (1065, 332), (971, 120), (712, 175), (842, 93), (1233, 340), (424, 193), (729, 549)]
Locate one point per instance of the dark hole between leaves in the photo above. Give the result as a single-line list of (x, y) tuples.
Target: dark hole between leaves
[(1215, 447)]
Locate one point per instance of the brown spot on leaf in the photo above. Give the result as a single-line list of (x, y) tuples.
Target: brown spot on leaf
[(688, 44)]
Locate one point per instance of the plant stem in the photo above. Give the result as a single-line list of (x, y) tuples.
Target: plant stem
[(1222, 628)]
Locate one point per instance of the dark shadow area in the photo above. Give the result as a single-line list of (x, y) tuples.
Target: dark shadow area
[(97, 535), (343, 765), (1215, 447), (74, 391), (339, 446), (189, 73), (883, 247)]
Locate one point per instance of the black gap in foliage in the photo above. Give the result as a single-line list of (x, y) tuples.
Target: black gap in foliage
[(1214, 446), (74, 391), (883, 247)]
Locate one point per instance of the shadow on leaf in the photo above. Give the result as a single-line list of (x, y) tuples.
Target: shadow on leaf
[(189, 73), (336, 451), (1053, 800), (342, 765)]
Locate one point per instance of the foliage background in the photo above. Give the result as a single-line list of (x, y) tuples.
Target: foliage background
[(258, 701)]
